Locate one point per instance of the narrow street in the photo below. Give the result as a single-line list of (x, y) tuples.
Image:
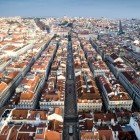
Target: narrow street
[(70, 129)]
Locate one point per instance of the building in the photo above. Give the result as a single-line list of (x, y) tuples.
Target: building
[(120, 31), (88, 95), (130, 80), (52, 94), (135, 124), (114, 95)]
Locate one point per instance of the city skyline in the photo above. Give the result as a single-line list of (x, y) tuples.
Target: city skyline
[(69, 70)]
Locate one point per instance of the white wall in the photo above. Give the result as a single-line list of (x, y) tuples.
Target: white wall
[(135, 127)]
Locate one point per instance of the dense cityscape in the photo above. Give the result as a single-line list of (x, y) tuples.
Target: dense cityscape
[(69, 79)]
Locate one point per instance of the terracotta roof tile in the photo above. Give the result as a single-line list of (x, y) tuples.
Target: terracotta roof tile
[(27, 95), (18, 114), (53, 134), (104, 117), (105, 135), (3, 86), (41, 114)]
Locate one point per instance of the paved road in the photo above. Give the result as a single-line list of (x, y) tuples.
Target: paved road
[(74, 136), (70, 108)]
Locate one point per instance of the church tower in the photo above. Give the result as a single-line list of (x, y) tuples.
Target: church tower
[(120, 31)]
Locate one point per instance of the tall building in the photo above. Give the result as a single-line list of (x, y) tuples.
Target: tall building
[(120, 31)]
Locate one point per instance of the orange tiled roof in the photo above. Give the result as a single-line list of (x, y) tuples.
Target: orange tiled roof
[(12, 75), (31, 82), (3, 85), (1, 74), (89, 135), (52, 134), (19, 114), (27, 95), (25, 136), (10, 48), (3, 137), (40, 136), (14, 133), (58, 111), (105, 134), (104, 117), (33, 115)]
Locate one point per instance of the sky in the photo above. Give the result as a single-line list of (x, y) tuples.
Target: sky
[(72, 8)]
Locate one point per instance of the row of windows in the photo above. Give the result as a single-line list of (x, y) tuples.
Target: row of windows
[(24, 106), (120, 102), (89, 107), (121, 105), (51, 103)]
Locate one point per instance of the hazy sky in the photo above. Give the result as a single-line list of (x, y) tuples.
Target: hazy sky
[(57, 8)]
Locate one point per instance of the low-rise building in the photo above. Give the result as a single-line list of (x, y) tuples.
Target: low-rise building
[(88, 95), (130, 80), (135, 124), (114, 95), (52, 94)]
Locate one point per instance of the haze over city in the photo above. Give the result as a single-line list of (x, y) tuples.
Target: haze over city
[(69, 70), (59, 8)]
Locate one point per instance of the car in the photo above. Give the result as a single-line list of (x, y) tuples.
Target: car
[(70, 130)]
